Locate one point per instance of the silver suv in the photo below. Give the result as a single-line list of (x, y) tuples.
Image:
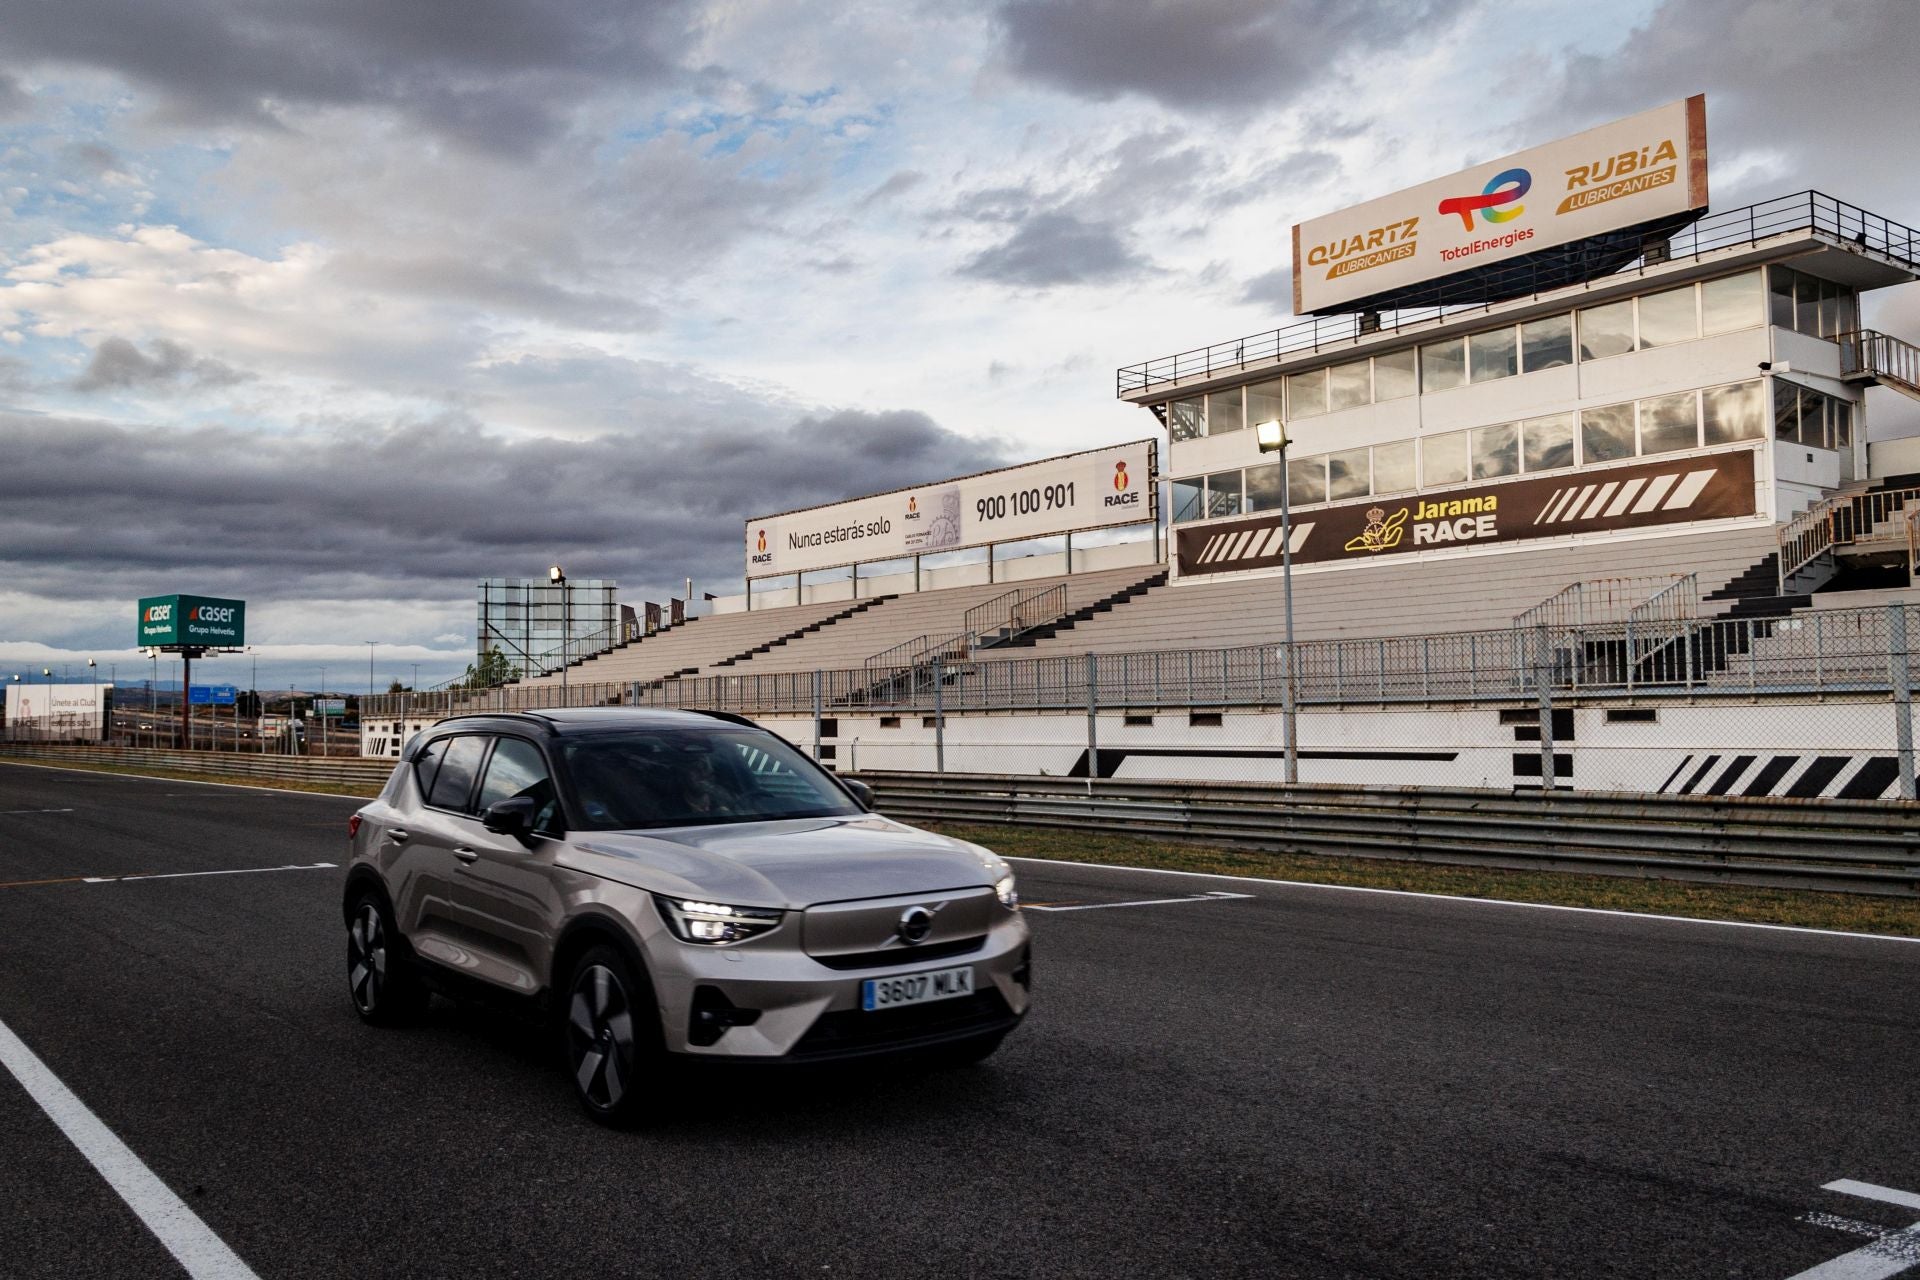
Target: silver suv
[(673, 885)]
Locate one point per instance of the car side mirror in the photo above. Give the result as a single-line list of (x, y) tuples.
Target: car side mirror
[(511, 817), (861, 792)]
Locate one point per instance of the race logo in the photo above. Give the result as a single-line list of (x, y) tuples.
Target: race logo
[(1504, 188), (913, 506), (1124, 494), (761, 542), (1120, 477), (1380, 533)]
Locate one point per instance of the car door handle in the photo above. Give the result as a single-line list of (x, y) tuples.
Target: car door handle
[(398, 837), (464, 854)]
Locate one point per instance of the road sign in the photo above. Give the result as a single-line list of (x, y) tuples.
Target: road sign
[(330, 706), (199, 695), (225, 695)]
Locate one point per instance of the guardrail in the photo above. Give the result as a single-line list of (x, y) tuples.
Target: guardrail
[(1847, 846), (1803, 211), (352, 772), (1866, 354)]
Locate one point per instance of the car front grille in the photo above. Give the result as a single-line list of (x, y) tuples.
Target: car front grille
[(857, 1031), (904, 955)]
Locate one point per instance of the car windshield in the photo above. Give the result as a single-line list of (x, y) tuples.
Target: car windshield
[(693, 777)]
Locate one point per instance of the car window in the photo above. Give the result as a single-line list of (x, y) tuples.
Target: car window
[(517, 769), (427, 763), (454, 783), (693, 777)]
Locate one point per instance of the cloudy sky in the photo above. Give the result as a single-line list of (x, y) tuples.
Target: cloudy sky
[(339, 305)]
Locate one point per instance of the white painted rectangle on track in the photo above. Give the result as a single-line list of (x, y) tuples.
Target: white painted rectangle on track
[(204, 1255), (188, 875), (1215, 896)]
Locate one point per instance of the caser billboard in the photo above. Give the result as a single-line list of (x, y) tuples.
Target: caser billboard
[(1643, 168), (167, 621), (1097, 489)]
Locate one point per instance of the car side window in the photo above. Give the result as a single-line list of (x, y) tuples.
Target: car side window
[(454, 782), (517, 769), (427, 763)]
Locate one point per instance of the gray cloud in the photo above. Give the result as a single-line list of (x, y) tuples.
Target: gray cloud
[(1824, 93), (13, 99), (119, 365), (1273, 289), (420, 511), (1057, 249), (499, 74), (509, 288), (1205, 54)]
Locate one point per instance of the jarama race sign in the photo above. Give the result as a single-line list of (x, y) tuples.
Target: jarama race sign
[(1711, 487), (1097, 489), (1640, 169), (172, 621)]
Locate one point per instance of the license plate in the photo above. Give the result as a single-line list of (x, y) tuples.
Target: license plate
[(916, 988)]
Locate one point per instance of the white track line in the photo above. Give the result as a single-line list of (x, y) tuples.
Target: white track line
[(192, 1243), (184, 875), (1869, 1191), (1892, 1253), (1450, 897), (1216, 896), (7, 813)]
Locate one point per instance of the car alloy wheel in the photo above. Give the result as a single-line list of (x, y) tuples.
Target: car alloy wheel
[(386, 990), (367, 958), (600, 1038)]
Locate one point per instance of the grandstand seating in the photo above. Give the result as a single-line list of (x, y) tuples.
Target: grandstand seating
[(849, 643), (1401, 596), (1135, 609), (704, 641)]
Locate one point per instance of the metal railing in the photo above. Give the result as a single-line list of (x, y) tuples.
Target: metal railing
[(1599, 600), (921, 650), (1868, 354), (1825, 651), (1846, 519), (1803, 211), (1021, 609)]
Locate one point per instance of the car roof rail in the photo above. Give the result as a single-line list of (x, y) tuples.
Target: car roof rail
[(731, 717)]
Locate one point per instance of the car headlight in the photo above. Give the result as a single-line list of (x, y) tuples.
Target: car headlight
[(713, 923), (1009, 896)]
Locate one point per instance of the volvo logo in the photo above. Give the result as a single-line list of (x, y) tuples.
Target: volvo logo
[(915, 924)]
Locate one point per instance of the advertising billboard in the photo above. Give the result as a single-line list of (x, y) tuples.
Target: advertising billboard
[(1097, 489), (1714, 487), (77, 707), (1641, 169), (172, 621)]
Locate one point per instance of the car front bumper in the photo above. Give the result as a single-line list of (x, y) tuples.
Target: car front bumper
[(805, 1011)]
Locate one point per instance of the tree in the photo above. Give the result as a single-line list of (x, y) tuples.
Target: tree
[(397, 687), (492, 671)]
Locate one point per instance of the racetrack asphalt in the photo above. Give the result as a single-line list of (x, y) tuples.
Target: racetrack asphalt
[(1302, 1082)]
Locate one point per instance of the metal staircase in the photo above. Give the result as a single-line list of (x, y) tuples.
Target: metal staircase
[(1871, 358)]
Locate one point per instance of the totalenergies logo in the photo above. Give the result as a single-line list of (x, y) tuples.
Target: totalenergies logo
[(1120, 480), (1504, 188)]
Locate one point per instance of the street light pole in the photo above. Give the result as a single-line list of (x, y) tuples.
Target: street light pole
[(370, 645), (559, 578), (1273, 439), (93, 686)]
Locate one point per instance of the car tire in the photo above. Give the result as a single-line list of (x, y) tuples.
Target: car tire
[(610, 1036), (381, 982)]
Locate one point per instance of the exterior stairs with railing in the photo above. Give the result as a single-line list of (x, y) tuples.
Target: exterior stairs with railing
[(1865, 522), (1066, 622), (1878, 359)]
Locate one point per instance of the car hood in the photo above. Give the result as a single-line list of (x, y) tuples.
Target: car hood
[(790, 864)]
